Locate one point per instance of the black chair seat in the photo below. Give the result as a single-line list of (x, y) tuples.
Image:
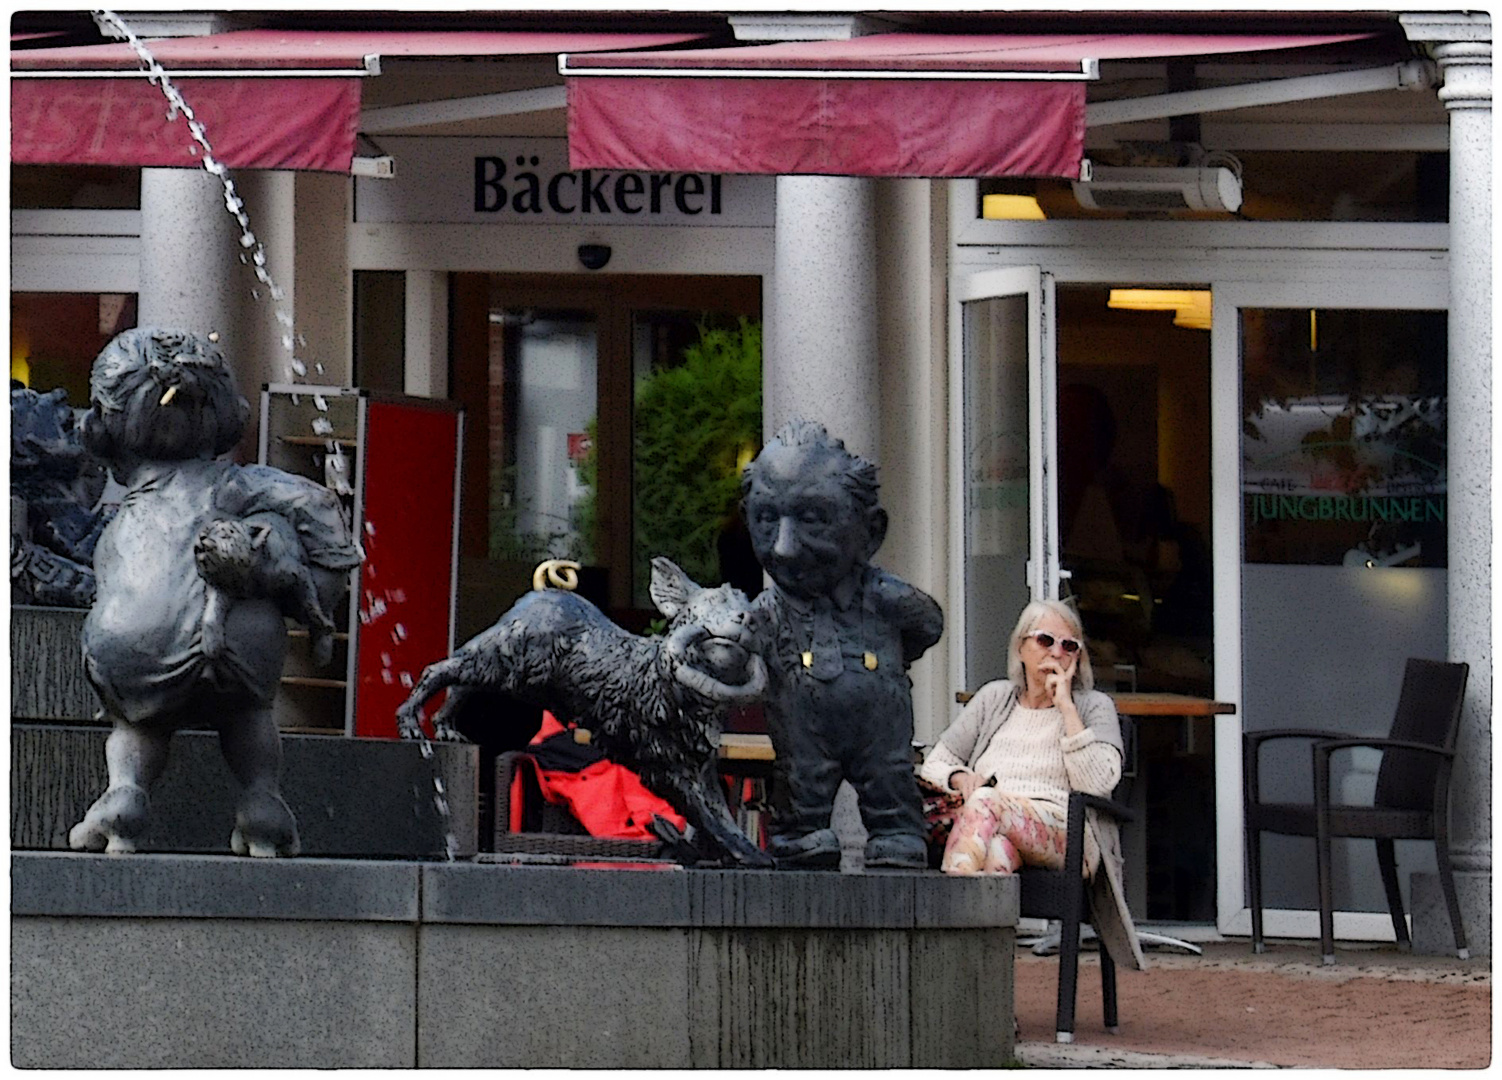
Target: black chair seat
[(1411, 800), (1370, 822)]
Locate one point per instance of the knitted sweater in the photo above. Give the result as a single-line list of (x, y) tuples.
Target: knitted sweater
[(1030, 755)]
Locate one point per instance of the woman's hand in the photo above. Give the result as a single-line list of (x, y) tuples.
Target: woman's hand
[(1058, 680), (964, 782)]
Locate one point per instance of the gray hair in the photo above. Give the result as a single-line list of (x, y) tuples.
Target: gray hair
[(1027, 622)]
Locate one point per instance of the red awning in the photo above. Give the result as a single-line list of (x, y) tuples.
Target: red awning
[(268, 99), (935, 105)]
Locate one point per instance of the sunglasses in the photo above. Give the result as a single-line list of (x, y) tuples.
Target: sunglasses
[(1068, 644)]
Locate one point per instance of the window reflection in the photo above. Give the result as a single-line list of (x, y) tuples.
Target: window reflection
[(696, 422), (54, 337), (542, 413), (1343, 448)]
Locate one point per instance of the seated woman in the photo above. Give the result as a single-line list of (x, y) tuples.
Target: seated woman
[(1017, 750)]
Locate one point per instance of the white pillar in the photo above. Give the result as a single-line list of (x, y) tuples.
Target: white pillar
[(1461, 44), (1467, 94), (192, 277), (190, 248), (821, 357)]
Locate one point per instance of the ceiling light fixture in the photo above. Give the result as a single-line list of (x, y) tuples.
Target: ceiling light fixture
[(1011, 208), (1191, 307)]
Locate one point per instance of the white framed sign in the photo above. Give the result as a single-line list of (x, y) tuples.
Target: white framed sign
[(528, 182)]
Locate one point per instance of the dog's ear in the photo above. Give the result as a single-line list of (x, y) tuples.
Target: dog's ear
[(95, 434), (671, 587), (261, 533)]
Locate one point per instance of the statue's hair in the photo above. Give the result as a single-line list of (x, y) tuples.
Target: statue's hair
[(164, 395), (857, 476)]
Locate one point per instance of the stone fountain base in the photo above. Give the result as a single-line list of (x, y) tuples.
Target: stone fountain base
[(170, 961)]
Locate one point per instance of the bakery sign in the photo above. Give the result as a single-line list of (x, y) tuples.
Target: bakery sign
[(529, 182)]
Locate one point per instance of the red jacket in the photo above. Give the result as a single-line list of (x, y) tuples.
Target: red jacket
[(609, 800)]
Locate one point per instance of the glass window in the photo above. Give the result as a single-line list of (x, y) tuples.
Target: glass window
[(542, 427), (54, 337), (696, 422), (74, 187), (1277, 185), (996, 480), (1343, 446), (1344, 576)]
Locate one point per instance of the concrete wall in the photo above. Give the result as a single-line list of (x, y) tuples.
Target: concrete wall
[(177, 961)]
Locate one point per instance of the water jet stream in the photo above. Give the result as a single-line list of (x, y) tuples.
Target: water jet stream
[(254, 255)]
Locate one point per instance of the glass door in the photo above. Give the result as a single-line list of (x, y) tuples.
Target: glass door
[(606, 419), (1004, 406), (1338, 513)]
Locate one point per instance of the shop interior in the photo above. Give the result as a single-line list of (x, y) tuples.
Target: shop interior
[(1134, 522)]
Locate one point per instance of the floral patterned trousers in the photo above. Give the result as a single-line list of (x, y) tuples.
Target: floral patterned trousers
[(996, 833)]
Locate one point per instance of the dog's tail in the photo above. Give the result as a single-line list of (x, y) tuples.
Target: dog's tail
[(559, 573)]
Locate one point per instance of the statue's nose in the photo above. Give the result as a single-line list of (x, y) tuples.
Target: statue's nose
[(787, 540)]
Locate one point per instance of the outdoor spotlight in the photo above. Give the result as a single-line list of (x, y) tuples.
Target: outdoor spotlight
[(594, 256)]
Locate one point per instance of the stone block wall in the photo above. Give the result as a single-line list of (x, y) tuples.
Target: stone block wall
[(206, 961)]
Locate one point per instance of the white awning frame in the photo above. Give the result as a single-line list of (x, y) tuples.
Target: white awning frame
[(1408, 75)]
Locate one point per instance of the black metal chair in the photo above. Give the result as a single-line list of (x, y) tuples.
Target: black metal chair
[(1064, 895), (1411, 801)]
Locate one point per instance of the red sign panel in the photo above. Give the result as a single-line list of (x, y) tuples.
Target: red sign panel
[(406, 582)]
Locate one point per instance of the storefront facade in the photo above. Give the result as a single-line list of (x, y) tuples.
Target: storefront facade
[(1033, 437)]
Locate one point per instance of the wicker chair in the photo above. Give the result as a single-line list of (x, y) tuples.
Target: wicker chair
[(1411, 802), (550, 829), (1064, 895)]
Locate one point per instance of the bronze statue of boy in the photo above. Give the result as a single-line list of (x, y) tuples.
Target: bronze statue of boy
[(839, 635)]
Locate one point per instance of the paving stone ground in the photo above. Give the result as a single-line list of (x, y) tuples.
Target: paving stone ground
[(1375, 1009)]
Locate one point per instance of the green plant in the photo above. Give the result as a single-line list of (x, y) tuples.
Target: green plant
[(560, 539), (696, 425)]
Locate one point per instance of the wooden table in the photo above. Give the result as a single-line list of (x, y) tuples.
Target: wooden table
[(746, 748), (1177, 706), (736, 746)]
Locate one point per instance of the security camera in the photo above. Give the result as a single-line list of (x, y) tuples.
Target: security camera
[(594, 256)]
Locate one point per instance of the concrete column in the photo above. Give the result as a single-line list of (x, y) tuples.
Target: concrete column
[(426, 372), (192, 278), (1467, 93), (1461, 44), (190, 269), (321, 284), (821, 359)]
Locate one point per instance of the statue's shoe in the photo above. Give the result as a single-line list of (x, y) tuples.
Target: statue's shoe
[(264, 827), (818, 850), (897, 850), (114, 823)]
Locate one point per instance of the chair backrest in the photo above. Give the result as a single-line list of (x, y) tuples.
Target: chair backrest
[(1428, 712)]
